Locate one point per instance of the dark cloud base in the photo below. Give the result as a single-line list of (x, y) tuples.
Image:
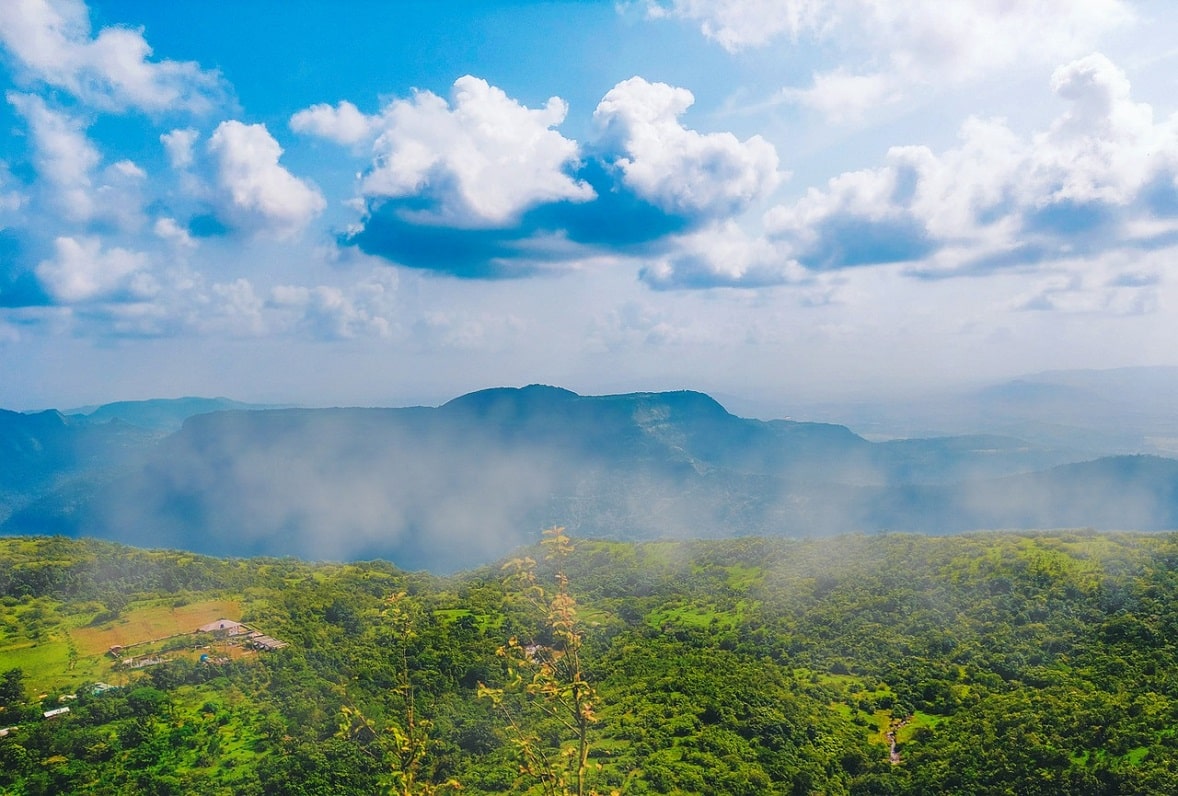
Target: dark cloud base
[(616, 221), (845, 242)]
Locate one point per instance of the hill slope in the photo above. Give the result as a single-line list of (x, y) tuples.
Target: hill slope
[(462, 483), (996, 663)]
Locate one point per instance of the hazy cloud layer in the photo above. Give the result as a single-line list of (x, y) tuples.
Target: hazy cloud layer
[(896, 47)]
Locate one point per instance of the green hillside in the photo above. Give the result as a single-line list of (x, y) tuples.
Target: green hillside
[(996, 663)]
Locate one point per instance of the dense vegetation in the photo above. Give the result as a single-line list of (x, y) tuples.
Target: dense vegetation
[(998, 663)]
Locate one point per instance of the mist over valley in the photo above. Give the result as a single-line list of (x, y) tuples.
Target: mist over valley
[(463, 483)]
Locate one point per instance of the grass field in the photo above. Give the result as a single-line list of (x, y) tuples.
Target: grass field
[(150, 622), (64, 654)]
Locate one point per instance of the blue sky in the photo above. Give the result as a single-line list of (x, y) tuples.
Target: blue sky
[(392, 203)]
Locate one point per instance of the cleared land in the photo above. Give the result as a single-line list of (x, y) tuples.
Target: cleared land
[(152, 622), (65, 654)]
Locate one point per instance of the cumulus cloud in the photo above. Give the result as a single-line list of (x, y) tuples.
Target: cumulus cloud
[(81, 270), (256, 192), (179, 146), (898, 45), (482, 187), (62, 154), (170, 230), (344, 124), (71, 185), (478, 160), (1101, 176), (681, 171), (51, 40), (723, 255)]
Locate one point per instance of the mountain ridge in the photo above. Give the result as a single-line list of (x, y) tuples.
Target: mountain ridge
[(459, 484)]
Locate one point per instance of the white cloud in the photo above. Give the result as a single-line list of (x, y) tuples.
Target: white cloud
[(482, 158), (737, 24), (679, 170), (1086, 183), (724, 255), (962, 36), (170, 230), (232, 308), (12, 200), (1113, 285), (179, 146), (257, 192), (345, 124), (52, 41), (842, 96), (63, 156), (129, 170), (1106, 146), (365, 309), (82, 271), (67, 162), (896, 45), (634, 323), (465, 331)]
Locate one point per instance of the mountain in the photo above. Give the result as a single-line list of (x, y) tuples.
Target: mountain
[(160, 414), (44, 451), (1099, 412), (462, 483)]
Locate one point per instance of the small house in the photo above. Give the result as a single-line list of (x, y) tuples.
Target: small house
[(225, 627)]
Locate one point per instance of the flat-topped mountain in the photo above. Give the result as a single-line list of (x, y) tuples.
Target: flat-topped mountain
[(459, 484)]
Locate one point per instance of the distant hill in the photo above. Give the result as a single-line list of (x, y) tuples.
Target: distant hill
[(1100, 412), (460, 484), (161, 414), (42, 451)]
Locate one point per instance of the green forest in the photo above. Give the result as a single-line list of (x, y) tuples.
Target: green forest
[(989, 663)]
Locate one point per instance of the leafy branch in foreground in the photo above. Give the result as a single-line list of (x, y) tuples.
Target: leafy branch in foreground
[(549, 675), (402, 747)]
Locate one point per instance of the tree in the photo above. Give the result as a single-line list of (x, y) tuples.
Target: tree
[(550, 673), (401, 746), (12, 688)]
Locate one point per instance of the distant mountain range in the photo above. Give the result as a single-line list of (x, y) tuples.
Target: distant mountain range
[(1124, 410), (460, 484), (159, 414)]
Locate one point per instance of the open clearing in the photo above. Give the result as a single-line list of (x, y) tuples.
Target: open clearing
[(152, 622)]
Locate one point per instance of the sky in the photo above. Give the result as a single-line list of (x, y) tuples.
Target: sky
[(394, 203)]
